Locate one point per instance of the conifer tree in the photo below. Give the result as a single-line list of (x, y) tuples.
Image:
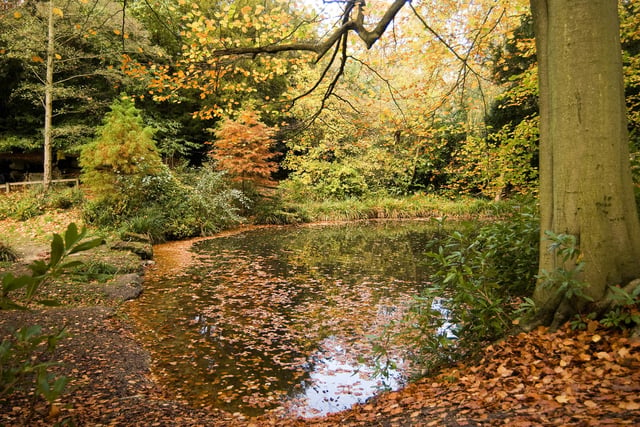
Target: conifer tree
[(124, 151)]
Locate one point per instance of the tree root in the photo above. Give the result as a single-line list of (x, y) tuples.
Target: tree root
[(558, 309)]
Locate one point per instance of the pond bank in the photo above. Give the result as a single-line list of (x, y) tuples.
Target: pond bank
[(530, 379)]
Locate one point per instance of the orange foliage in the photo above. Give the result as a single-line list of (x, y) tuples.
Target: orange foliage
[(243, 148)]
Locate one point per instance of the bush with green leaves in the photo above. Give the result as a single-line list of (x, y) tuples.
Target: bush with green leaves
[(23, 205), (565, 279), (194, 202), (480, 276)]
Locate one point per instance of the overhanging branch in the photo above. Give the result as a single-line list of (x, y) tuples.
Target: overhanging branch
[(370, 37)]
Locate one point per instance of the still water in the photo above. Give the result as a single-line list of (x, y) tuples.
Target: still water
[(280, 319)]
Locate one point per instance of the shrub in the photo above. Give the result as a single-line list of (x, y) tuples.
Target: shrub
[(31, 203), (165, 207), (479, 277)]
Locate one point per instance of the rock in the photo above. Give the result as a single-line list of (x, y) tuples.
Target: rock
[(143, 250), (135, 237), (125, 287)]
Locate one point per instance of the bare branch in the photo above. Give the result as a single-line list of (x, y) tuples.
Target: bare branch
[(321, 48), (390, 88)]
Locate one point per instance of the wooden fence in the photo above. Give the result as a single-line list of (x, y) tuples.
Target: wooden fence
[(8, 185)]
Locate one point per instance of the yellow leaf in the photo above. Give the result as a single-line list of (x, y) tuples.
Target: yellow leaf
[(58, 12), (58, 56), (563, 398), (36, 58), (596, 338), (116, 32)]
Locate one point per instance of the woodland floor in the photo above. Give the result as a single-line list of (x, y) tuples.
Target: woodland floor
[(582, 378)]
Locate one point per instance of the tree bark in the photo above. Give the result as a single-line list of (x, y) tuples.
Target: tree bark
[(48, 102), (585, 178)]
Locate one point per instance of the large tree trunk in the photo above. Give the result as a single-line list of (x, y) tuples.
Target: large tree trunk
[(585, 178)]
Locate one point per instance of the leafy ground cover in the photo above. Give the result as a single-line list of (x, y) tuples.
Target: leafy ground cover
[(589, 376)]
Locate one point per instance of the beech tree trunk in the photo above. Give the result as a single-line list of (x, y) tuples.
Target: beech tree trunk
[(585, 178)]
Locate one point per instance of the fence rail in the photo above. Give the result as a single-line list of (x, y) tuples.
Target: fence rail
[(7, 185)]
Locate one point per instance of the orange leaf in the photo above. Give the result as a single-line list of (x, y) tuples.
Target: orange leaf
[(590, 404), (631, 406)]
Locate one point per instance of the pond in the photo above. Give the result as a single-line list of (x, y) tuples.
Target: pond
[(280, 319)]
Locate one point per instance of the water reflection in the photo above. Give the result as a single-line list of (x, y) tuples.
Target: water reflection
[(338, 380), (278, 319)]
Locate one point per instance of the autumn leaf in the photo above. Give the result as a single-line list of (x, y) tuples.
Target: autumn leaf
[(629, 405)]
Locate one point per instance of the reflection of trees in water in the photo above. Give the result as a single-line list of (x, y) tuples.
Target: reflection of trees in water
[(252, 309)]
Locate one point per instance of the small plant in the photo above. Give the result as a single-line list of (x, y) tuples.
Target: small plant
[(25, 360), (625, 312), (7, 254), (41, 271), (565, 279)]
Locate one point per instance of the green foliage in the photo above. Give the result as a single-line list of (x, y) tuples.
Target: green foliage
[(502, 163), (122, 156), (566, 278), (62, 246), (35, 202), (625, 311), (22, 206), (344, 169), (480, 274), (166, 206), (95, 270), (273, 210), (383, 206), (136, 192), (25, 360), (89, 43)]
